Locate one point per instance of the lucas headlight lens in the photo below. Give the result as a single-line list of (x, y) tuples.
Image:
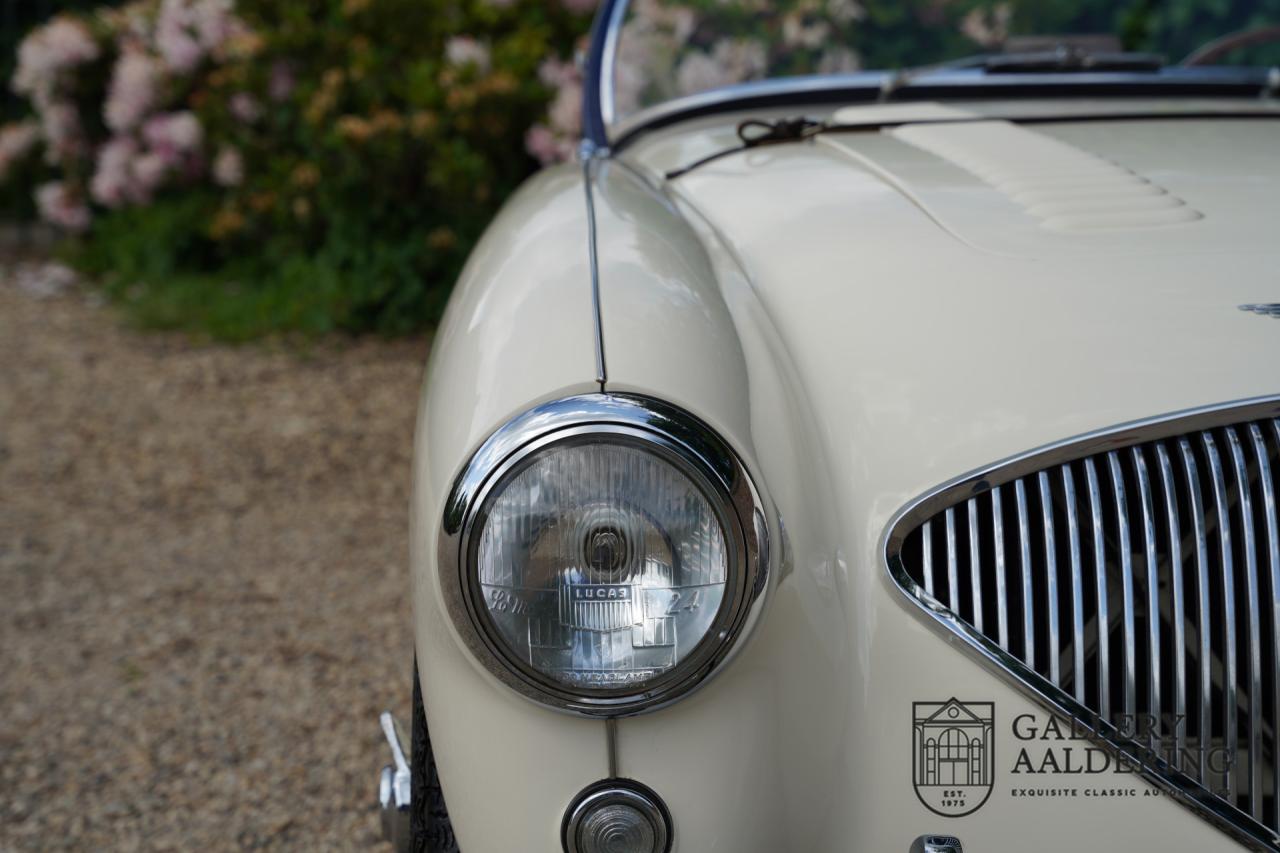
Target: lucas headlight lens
[(607, 568), (601, 565)]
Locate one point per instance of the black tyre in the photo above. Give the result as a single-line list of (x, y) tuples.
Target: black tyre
[(430, 829)]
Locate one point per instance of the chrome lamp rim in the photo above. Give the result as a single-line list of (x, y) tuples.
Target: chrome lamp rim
[(660, 428)]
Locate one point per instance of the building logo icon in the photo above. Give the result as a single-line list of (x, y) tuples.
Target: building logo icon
[(953, 755)]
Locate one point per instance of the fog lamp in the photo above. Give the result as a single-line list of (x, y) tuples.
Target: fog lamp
[(617, 816)]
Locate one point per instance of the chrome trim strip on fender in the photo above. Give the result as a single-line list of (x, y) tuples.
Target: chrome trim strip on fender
[(589, 154), (1204, 523)]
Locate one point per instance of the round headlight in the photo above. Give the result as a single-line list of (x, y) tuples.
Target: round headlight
[(608, 553)]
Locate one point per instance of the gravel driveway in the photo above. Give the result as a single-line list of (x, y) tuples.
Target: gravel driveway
[(203, 588)]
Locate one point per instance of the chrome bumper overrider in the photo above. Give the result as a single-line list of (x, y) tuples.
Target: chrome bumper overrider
[(394, 788)]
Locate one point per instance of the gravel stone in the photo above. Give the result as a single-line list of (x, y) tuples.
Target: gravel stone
[(203, 587)]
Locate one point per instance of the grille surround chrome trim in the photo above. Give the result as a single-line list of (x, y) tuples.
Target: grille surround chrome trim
[(1013, 469)]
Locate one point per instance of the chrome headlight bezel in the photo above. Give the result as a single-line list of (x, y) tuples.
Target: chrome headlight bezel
[(676, 437)]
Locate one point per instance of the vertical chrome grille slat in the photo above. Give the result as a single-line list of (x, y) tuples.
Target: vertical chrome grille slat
[(1002, 594), (1204, 619), (1024, 549), (1231, 683), (927, 555), (1077, 586), (1051, 579), (1153, 589), (1178, 608), (953, 570), (1254, 619), (1100, 577), (975, 560), (1273, 564), (1167, 551), (1129, 622)]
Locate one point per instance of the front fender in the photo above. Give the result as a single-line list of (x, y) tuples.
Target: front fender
[(519, 330)]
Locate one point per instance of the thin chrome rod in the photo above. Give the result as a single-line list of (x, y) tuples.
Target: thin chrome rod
[(588, 153)]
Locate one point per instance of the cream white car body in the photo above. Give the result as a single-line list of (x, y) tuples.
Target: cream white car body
[(862, 318)]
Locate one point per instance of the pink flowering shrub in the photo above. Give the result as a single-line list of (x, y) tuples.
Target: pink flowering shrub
[(107, 93), (245, 166)]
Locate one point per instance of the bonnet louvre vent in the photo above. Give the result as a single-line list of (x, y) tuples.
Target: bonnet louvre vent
[(1138, 587), (1067, 189)]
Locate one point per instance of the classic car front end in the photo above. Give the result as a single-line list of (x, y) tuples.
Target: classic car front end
[(904, 479)]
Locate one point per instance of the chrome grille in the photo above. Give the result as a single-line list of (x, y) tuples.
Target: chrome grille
[(1132, 579)]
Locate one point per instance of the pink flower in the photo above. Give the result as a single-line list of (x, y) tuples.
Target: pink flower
[(546, 146), (554, 73), (730, 61), (112, 184), (839, 59), (177, 46), (16, 141), (174, 134), (988, 27), (148, 171), (565, 113), (189, 30), (464, 50), (60, 127), (132, 92), (228, 167), (215, 23), (60, 206), (61, 44), (800, 30), (282, 81), (245, 107)]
